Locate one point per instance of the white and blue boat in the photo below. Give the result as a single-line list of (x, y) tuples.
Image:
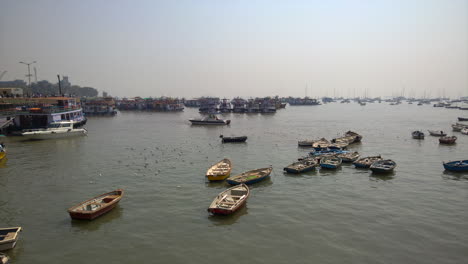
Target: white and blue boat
[(327, 152), (458, 165), (330, 162)]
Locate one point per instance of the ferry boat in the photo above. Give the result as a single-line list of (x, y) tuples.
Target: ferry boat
[(210, 120), (55, 130), (99, 106)]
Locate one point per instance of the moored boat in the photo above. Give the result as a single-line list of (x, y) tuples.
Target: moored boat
[(418, 134), (4, 259), (9, 237), (301, 166), (230, 200), (220, 170), (97, 206), (327, 152), (61, 129), (349, 157), (448, 140), (366, 162), (233, 139), (383, 166), (210, 120), (357, 137), (464, 131), (3, 152), (458, 165), (437, 133), (330, 162), (463, 119), (321, 143), (250, 177), (305, 143)]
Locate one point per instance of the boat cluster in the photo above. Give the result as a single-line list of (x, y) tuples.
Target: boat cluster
[(443, 138), (331, 154), (232, 199)]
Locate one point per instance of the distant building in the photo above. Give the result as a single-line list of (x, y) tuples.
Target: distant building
[(65, 82), (9, 92)]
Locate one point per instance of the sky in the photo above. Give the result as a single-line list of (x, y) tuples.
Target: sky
[(231, 48)]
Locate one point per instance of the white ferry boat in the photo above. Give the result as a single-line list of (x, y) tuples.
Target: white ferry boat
[(55, 130), (210, 120)]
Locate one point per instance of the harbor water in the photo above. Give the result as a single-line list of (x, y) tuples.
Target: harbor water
[(418, 214)]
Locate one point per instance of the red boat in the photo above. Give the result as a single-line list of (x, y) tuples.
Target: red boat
[(447, 140), (230, 200), (97, 206)]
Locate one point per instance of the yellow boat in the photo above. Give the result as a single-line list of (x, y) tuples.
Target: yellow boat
[(2, 152), (219, 171)]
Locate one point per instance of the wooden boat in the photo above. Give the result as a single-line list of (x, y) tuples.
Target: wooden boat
[(437, 133), (418, 134), (321, 143), (349, 157), (330, 162), (463, 119), (448, 140), (458, 165), (366, 162), (97, 206), (220, 170), (250, 177), (4, 259), (305, 143), (383, 166), (328, 152), (230, 200), (464, 131), (301, 166), (9, 237), (357, 137), (233, 139), (210, 120)]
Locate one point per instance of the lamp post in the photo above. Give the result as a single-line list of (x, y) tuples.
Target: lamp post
[(29, 71)]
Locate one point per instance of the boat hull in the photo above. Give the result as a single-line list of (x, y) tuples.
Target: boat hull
[(457, 166), (328, 166), (210, 123), (297, 171), (82, 216), (106, 202), (245, 177), (42, 136), (233, 182), (2, 155), (218, 177), (380, 170), (9, 238), (221, 211)]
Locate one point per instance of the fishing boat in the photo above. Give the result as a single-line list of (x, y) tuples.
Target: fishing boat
[(61, 129), (4, 259), (250, 177), (356, 136), (301, 166), (366, 162), (233, 139), (418, 134), (383, 166), (210, 120), (458, 165), (464, 131), (349, 157), (437, 133), (97, 206), (448, 140), (230, 200), (463, 119), (458, 127), (9, 237), (2, 151), (305, 143), (321, 143), (330, 162), (219, 171), (327, 152)]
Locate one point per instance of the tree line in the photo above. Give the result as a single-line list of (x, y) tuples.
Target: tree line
[(45, 88)]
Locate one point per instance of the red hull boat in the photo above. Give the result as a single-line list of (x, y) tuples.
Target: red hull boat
[(97, 206)]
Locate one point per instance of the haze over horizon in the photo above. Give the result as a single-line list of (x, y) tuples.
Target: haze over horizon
[(242, 48)]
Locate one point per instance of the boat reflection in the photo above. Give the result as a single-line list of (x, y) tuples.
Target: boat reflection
[(221, 220), (86, 225), (455, 176), (382, 176), (3, 162)]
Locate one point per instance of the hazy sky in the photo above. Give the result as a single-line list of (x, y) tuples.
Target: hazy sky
[(246, 48)]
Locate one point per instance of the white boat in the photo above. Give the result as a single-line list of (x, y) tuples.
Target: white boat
[(210, 120), (8, 237), (55, 130)]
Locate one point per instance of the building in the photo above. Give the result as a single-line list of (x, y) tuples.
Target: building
[(11, 92)]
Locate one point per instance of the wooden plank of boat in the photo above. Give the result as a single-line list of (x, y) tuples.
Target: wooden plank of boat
[(448, 140), (220, 170), (366, 162), (230, 200), (233, 139), (330, 162), (8, 237), (250, 177), (383, 166), (458, 165), (97, 206)]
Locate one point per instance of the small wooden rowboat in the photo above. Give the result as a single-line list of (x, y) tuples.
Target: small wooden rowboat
[(321, 144), (349, 157), (97, 206), (463, 119), (418, 134), (250, 177), (366, 162), (458, 165), (233, 139), (301, 166), (464, 131), (330, 162), (448, 140), (383, 166), (4, 259), (219, 171), (9, 237), (437, 133), (230, 200)]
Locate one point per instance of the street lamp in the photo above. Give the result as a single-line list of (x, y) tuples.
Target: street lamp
[(29, 71)]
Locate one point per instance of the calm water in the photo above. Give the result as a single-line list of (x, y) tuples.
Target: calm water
[(416, 215)]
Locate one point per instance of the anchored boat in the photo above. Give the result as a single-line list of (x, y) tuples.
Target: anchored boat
[(437, 133), (97, 206), (383, 166), (418, 134), (233, 139), (230, 200), (458, 165), (55, 130), (210, 120), (301, 166), (366, 162), (250, 177), (448, 140), (349, 157), (330, 162), (220, 170), (9, 237)]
